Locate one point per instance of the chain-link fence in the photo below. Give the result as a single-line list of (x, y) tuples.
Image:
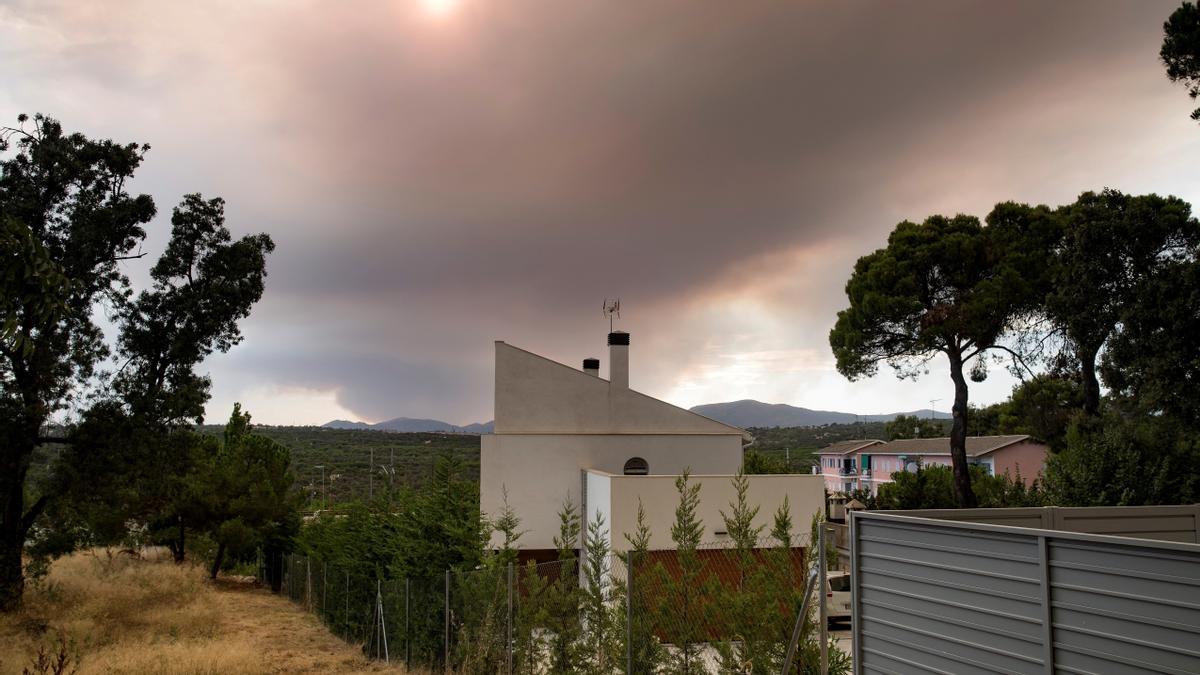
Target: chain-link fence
[(710, 610)]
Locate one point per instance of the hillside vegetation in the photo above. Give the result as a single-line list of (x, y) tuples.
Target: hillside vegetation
[(111, 613), (347, 454)]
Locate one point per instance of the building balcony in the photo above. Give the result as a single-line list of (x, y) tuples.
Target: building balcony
[(848, 471)]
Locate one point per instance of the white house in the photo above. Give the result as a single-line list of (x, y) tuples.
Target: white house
[(564, 433)]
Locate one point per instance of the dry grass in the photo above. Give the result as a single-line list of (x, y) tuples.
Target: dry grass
[(126, 615)]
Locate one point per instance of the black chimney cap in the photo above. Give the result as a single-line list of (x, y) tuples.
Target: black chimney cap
[(618, 338), (591, 364)]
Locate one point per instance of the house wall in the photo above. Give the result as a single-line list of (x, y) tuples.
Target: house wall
[(1027, 458), (537, 395), (659, 498), (598, 499), (540, 471)]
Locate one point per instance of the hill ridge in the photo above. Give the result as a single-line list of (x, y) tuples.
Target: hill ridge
[(744, 413), (751, 413)]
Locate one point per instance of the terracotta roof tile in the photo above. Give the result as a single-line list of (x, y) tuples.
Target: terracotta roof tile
[(976, 445), (847, 447)]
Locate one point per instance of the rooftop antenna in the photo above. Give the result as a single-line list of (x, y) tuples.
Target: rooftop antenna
[(612, 308)]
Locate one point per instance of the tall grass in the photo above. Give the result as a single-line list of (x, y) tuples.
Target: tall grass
[(120, 614)]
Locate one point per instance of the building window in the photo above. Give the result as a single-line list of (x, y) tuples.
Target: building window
[(636, 466)]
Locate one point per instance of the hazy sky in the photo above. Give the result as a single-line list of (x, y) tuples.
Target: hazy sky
[(439, 174)]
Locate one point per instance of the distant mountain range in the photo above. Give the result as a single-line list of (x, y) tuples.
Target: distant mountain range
[(743, 414), (750, 413), (413, 425)]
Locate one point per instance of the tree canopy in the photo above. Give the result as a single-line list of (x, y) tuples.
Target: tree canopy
[(1111, 245), (244, 496), (911, 426), (1181, 49), (68, 225), (204, 283), (65, 211), (947, 286)]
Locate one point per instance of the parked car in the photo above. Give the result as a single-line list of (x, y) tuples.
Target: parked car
[(837, 596)]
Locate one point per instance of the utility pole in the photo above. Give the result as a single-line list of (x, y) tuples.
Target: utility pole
[(933, 410), (371, 474), (322, 468)]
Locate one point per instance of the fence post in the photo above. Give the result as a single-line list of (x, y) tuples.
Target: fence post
[(821, 591), (629, 613), (799, 626), (407, 638), (856, 652), (1047, 616), (307, 583), (508, 657), (446, 629), (382, 623)]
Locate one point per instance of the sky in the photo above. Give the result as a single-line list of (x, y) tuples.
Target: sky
[(441, 174)]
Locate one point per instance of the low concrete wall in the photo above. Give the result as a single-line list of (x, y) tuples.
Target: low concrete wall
[(659, 498), (540, 472)]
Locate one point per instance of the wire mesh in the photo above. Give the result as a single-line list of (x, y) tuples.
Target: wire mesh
[(710, 610)]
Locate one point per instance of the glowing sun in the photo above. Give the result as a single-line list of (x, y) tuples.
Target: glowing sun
[(439, 8)]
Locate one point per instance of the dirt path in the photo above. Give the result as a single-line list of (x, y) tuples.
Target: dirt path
[(291, 640)]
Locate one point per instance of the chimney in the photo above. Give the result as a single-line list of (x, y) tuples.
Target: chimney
[(592, 367), (618, 359)]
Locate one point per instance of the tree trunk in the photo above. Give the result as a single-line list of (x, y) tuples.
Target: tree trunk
[(217, 560), (958, 438), (180, 542), (12, 578), (14, 521), (274, 562), (1091, 384)]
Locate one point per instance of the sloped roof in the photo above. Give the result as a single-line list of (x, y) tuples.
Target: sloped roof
[(847, 447), (536, 395), (977, 446)]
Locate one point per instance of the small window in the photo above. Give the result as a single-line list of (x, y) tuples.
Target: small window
[(637, 466)]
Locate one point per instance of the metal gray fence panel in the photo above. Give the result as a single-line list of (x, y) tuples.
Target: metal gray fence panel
[(1167, 523), (952, 597), (1124, 608)]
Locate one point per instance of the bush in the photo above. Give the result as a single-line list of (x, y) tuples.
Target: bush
[(1119, 460), (932, 487)]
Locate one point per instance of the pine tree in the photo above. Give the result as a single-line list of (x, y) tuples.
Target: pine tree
[(786, 583), (529, 643), (638, 643), (600, 645), (745, 605), (686, 615), (484, 596), (562, 597)]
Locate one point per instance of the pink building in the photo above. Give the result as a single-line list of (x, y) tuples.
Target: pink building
[(866, 464)]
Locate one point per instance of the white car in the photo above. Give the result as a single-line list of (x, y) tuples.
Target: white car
[(837, 596)]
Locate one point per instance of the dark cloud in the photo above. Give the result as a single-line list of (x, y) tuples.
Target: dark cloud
[(662, 142), (437, 183)]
